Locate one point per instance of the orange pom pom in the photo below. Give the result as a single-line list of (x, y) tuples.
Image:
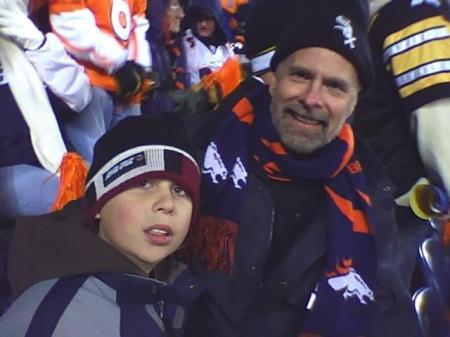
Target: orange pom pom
[(73, 172)]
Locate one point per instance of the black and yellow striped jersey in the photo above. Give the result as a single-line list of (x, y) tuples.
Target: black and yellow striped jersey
[(411, 40)]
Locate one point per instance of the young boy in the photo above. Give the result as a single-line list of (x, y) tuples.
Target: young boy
[(93, 273)]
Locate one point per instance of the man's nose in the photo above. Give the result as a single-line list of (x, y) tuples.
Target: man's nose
[(313, 96)]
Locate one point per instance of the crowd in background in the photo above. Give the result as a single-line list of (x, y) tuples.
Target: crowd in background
[(71, 71)]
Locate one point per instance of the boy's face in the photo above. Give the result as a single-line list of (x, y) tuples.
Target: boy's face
[(147, 223)]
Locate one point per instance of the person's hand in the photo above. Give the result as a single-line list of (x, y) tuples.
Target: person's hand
[(129, 79), (19, 28)]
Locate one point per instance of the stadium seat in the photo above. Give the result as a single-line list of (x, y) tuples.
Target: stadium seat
[(430, 312), (435, 265)]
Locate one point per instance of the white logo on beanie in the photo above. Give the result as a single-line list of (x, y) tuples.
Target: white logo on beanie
[(343, 24)]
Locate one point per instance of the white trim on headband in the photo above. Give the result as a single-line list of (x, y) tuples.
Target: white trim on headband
[(154, 155), (261, 62)]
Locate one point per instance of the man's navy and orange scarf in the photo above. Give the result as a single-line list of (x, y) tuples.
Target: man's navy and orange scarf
[(345, 290)]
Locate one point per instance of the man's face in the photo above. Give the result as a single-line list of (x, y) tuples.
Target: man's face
[(314, 91), (206, 26), (175, 14), (147, 223)]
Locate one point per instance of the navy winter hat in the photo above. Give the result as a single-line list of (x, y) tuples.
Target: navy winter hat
[(140, 148), (332, 31), (269, 18)]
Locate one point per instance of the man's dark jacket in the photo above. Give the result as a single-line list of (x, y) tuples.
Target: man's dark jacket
[(252, 302)]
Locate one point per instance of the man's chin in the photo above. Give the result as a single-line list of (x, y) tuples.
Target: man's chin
[(301, 147)]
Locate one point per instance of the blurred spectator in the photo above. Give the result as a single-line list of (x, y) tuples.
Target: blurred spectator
[(205, 42), (169, 63), (108, 38), (404, 118), (165, 43), (32, 142), (236, 14)]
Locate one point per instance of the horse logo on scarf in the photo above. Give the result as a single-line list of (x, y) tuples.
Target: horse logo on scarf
[(353, 284), (213, 164), (239, 174)]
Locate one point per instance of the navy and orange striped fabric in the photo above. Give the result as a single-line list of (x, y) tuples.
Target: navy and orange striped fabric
[(344, 293)]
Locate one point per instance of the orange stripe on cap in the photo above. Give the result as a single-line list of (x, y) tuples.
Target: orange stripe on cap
[(357, 217), (275, 147), (346, 135), (244, 111)]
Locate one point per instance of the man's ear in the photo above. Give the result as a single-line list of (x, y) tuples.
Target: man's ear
[(97, 216), (268, 77)]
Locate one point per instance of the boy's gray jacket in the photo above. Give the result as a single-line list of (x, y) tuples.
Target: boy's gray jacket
[(72, 283)]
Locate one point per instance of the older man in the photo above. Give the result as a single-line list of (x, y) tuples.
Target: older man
[(297, 235)]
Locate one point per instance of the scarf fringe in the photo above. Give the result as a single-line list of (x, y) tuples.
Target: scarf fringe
[(73, 170), (213, 241)]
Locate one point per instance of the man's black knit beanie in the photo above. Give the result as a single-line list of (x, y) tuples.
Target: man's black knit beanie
[(330, 30), (269, 18)]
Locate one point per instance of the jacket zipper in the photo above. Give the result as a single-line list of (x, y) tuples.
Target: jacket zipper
[(161, 310), (168, 330)]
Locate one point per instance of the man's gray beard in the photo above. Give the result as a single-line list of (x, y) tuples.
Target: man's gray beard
[(299, 144)]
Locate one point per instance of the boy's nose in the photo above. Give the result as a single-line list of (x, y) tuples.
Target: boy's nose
[(164, 201)]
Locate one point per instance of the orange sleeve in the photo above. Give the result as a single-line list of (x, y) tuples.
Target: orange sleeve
[(139, 7), (59, 6)]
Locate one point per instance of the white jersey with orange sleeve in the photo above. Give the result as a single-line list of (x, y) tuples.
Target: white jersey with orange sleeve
[(102, 35), (202, 59), (63, 76), (59, 72)]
